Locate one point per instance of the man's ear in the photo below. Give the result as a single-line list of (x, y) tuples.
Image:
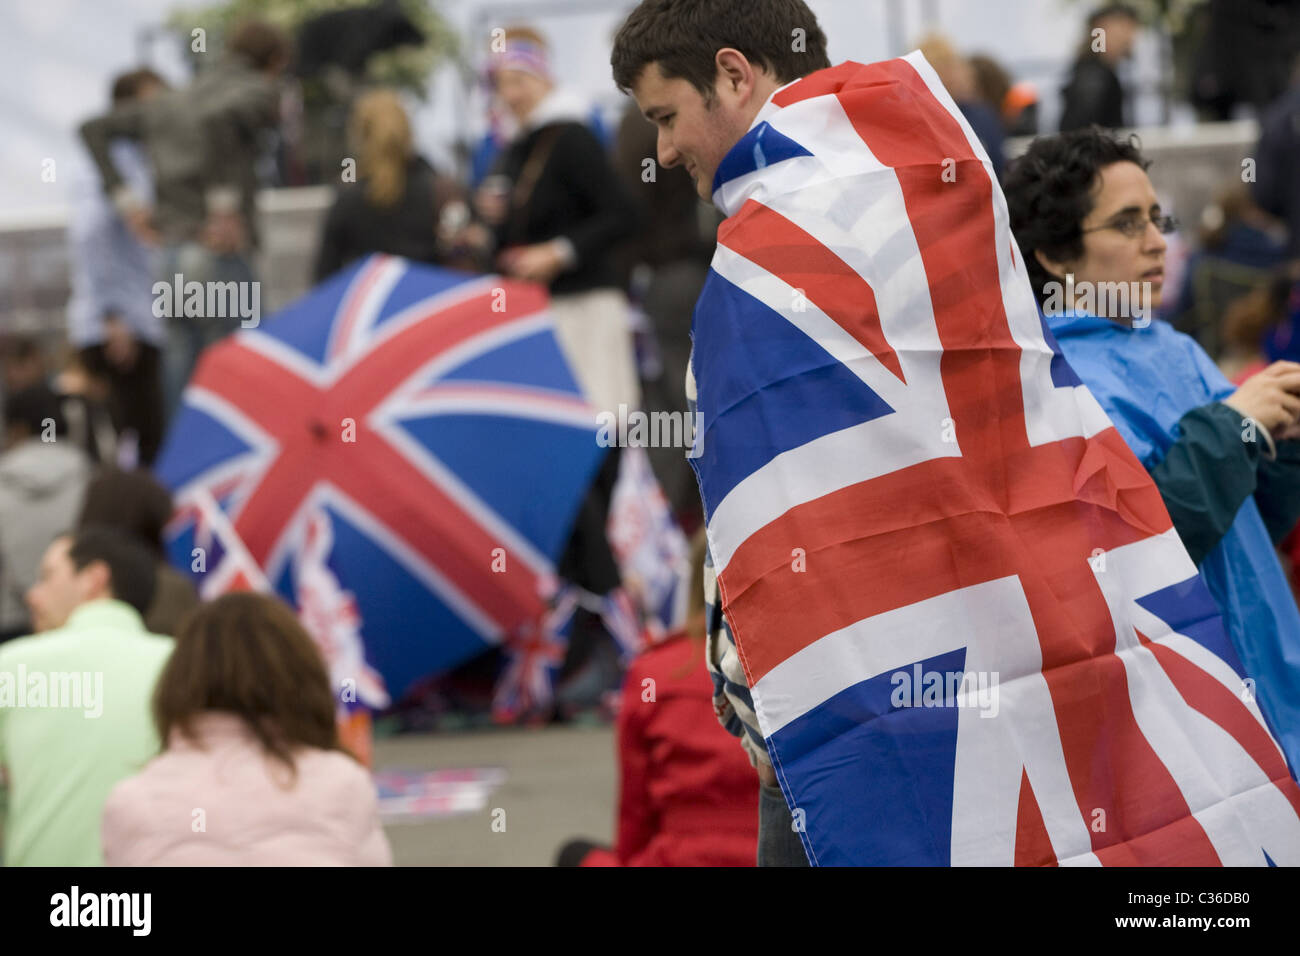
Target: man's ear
[(98, 580), (736, 72), (1053, 266)]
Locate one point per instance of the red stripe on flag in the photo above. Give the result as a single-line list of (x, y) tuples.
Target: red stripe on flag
[(361, 286), (926, 530), (1002, 508), (770, 240), (821, 83), (307, 422), (1207, 696), (1033, 845), (957, 234)]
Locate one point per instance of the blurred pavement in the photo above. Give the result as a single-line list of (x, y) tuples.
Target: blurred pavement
[(560, 784)]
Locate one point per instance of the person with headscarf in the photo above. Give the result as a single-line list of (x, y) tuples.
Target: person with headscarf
[(557, 208)]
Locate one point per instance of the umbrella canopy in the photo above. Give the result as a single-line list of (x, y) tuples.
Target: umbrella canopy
[(425, 426)]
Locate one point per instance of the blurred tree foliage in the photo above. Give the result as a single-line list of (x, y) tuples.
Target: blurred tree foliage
[(407, 68), (313, 139)]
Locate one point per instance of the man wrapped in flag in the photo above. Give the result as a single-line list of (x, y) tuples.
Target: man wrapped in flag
[(965, 624)]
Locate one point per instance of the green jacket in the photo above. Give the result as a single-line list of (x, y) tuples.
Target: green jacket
[(1209, 472), (74, 720)]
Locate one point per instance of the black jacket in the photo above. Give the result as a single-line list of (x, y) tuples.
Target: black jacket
[(575, 194), (1093, 95), (1277, 184), (355, 227)]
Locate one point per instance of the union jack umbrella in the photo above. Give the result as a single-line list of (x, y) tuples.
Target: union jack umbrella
[(911, 497), (426, 425)]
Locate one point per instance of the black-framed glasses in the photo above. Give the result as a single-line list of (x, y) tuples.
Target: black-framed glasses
[(1134, 226)]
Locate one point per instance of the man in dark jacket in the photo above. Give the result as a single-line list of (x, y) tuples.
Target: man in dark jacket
[(1094, 93)]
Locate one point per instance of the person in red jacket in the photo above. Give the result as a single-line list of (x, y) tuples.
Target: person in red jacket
[(688, 795)]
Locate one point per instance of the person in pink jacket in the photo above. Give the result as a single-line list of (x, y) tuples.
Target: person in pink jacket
[(252, 773)]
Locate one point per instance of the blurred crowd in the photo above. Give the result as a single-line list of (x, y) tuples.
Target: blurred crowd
[(624, 247)]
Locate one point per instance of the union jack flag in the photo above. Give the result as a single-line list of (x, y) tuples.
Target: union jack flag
[(429, 420), (902, 476)]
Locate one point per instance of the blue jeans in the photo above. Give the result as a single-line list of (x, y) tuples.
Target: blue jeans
[(187, 336), (778, 841)]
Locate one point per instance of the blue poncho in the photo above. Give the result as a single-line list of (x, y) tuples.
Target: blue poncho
[(1147, 379)]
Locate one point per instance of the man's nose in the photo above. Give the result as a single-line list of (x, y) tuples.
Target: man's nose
[(668, 156)]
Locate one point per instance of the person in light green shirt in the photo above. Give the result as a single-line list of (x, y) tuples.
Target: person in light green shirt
[(75, 697)]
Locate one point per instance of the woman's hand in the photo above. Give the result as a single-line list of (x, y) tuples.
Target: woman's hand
[(1272, 398)]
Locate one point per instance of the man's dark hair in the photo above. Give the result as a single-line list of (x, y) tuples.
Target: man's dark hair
[(127, 86), (260, 44), (30, 408), (131, 568), (684, 37), (1050, 191), (133, 502), (1111, 10)]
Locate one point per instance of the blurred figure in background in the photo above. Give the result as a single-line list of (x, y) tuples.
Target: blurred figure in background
[(1245, 56), (1094, 93), (90, 727), (246, 712), (958, 78), (1277, 187), (86, 422), (1225, 459), (557, 209), (111, 318), (42, 478), (687, 796), (203, 143), (399, 205), (134, 503), (1240, 247), (667, 262), (1260, 329), (1015, 103)]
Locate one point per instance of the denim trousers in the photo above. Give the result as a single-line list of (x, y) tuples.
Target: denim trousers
[(188, 336)]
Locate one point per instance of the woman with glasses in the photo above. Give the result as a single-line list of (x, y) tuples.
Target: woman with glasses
[(1226, 459)]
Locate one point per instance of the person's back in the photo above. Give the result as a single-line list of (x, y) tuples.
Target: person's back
[(41, 484), (399, 200), (1094, 94), (254, 812), (254, 773), (74, 720), (689, 795)]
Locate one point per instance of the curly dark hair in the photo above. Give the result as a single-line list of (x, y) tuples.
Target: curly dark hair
[(1050, 191), (684, 36)]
